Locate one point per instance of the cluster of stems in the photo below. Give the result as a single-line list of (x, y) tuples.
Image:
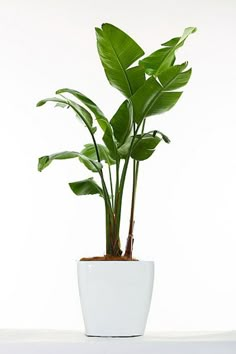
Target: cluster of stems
[(113, 200), (113, 204)]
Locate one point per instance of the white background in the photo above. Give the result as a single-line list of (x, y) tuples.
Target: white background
[(185, 218)]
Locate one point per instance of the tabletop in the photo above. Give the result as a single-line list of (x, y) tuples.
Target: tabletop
[(75, 342)]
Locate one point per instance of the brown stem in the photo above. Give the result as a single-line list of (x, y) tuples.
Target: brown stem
[(130, 239)]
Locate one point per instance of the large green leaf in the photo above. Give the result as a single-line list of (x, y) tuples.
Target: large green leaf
[(92, 165), (118, 52), (83, 114), (152, 99), (121, 122), (163, 58), (144, 147), (124, 149), (110, 142), (90, 151), (174, 77), (108, 136), (80, 111), (136, 77), (85, 187), (45, 161), (89, 103)]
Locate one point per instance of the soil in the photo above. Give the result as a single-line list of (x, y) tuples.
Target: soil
[(108, 258)]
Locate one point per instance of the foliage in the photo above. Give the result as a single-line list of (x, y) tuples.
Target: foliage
[(151, 87)]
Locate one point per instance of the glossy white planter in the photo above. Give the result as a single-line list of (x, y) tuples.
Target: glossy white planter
[(115, 296)]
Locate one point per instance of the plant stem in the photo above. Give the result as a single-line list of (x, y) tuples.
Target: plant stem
[(111, 187), (122, 181), (112, 242), (130, 239)]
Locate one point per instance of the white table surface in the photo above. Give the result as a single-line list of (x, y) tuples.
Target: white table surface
[(74, 342)]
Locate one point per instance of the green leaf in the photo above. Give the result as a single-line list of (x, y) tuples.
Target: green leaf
[(163, 136), (158, 61), (62, 105), (85, 187), (80, 111), (163, 58), (45, 161), (92, 165), (144, 147), (152, 99), (110, 141), (174, 77), (88, 103), (136, 77), (121, 122), (123, 150), (83, 114), (117, 52), (90, 151), (51, 99)]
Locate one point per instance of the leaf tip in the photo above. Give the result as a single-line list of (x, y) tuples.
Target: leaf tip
[(40, 103), (43, 162), (98, 31), (191, 29)]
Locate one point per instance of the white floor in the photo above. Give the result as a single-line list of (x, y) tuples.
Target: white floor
[(73, 342)]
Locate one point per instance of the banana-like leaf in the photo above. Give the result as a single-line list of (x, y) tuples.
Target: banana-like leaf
[(163, 58), (163, 136), (144, 147), (110, 141), (45, 161), (80, 111), (124, 149), (91, 165), (108, 136), (58, 101), (118, 52), (85, 187), (174, 77), (83, 114), (104, 154), (89, 103), (136, 77), (121, 122), (152, 99)]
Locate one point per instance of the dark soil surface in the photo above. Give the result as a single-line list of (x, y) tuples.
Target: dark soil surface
[(108, 258)]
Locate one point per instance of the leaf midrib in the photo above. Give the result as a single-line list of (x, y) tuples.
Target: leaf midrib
[(123, 69), (159, 93)]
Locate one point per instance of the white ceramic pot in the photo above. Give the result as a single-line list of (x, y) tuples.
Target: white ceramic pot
[(115, 296)]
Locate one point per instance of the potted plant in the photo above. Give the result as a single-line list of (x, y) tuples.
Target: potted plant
[(115, 289)]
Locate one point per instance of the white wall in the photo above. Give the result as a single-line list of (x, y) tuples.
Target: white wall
[(185, 218)]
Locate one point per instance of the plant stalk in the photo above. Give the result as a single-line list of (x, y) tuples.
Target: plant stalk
[(112, 241), (130, 239), (122, 181), (111, 187)]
